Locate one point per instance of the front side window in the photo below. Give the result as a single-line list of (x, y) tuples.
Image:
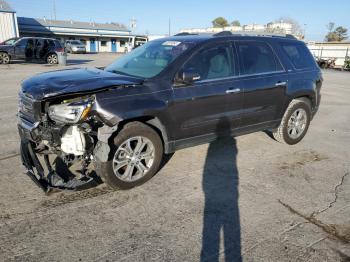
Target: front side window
[(212, 63), (22, 43), (150, 59), (299, 55), (257, 58)]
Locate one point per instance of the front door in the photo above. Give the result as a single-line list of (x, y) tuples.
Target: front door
[(210, 106), (264, 81), (20, 49), (92, 45), (114, 45)]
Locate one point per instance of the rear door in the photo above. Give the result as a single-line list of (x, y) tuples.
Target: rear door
[(264, 80), (211, 105)]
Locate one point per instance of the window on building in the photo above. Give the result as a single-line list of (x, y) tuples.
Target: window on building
[(257, 58), (103, 43), (212, 63), (299, 55)]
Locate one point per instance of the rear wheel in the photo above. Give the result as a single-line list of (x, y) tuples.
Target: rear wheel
[(4, 58), (52, 59), (295, 122), (135, 157)]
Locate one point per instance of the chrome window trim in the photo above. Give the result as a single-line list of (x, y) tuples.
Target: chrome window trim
[(239, 76)]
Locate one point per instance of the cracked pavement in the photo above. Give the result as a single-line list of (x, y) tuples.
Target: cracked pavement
[(249, 196)]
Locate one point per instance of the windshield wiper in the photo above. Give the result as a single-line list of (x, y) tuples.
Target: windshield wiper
[(120, 73)]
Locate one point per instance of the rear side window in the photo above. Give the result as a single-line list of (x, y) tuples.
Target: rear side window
[(257, 58), (212, 63), (299, 55)]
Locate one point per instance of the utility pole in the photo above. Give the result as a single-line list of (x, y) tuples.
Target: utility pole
[(54, 9)]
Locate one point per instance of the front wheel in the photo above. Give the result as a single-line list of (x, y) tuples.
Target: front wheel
[(295, 122), (52, 59), (4, 58), (135, 157)]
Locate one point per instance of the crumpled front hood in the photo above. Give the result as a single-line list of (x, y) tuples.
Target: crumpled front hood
[(71, 81)]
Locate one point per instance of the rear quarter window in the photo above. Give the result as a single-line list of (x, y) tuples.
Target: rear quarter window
[(299, 55)]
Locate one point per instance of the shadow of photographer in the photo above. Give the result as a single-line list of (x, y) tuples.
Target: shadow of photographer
[(220, 187)]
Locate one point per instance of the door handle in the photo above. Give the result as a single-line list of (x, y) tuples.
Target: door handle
[(230, 91), (281, 83)]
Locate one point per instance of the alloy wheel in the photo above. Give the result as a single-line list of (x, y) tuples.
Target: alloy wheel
[(297, 123), (4, 58), (133, 159), (52, 59)]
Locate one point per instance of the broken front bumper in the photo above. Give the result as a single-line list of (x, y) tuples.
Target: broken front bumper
[(36, 171)]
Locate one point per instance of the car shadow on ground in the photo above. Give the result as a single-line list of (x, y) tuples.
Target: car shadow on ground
[(221, 211)]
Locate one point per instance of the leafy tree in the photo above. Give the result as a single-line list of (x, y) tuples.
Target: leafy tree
[(235, 23), (337, 35), (341, 33), (220, 22)]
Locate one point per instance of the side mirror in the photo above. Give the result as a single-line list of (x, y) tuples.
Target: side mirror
[(189, 76)]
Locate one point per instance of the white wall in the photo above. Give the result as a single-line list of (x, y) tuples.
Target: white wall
[(8, 26), (106, 48)]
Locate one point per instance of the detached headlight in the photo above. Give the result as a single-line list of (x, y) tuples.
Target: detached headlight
[(71, 112)]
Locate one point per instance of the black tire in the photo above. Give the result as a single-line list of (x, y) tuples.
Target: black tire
[(52, 59), (4, 58), (133, 129), (281, 134)]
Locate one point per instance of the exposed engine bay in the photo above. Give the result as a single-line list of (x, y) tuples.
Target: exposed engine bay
[(67, 128)]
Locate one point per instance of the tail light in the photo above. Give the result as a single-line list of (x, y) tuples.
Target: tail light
[(60, 49)]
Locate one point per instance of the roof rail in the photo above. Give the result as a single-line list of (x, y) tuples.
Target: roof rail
[(251, 33), (223, 33), (185, 33)]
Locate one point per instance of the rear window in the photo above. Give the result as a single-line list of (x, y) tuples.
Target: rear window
[(257, 58), (299, 55)]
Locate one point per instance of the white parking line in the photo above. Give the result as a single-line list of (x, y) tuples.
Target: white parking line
[(7, 97)]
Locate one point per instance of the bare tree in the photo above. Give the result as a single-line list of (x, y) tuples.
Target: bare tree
[(296, 27), (330, 26)]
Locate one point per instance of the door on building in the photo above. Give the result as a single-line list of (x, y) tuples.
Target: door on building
[(92, 45), (114, 45)]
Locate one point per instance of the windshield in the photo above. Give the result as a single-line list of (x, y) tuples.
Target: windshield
[(75, 42), (10, 41), (150, 59)]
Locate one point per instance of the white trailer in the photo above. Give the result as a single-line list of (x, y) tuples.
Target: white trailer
[(337, 50)]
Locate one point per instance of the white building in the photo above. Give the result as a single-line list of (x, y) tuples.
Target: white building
[(286, 28), (279, 27), (8, 22), (98, 37)]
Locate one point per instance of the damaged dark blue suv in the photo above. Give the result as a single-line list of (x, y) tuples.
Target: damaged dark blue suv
[(166, 95)]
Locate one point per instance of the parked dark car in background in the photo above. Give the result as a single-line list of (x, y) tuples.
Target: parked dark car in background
[(166, 95), (75, 46), (31, 49)]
